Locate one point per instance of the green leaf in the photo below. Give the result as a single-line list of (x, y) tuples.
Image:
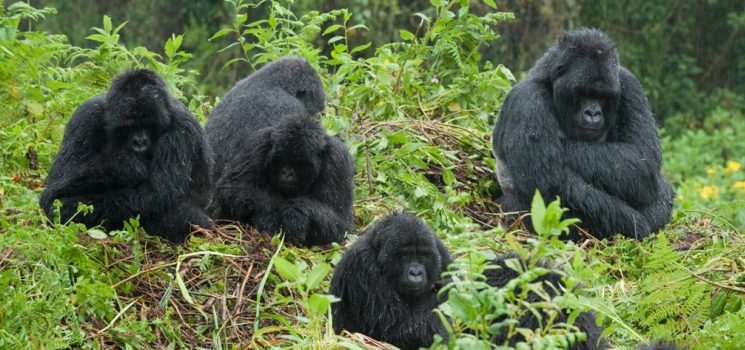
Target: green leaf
[(538, 213), (332, 29), (316, 275), (221, 33), (361, 47), (97, 234), (406, 35), (491, 3), (319, 303), (107, 23), (286, 269)]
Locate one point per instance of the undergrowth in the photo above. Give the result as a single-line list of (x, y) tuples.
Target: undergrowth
[(417, 116)]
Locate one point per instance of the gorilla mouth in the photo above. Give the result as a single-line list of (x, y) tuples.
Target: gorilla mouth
[(591, 127)]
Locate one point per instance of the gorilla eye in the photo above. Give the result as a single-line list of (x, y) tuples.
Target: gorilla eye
[(561, 69), (300, 94)]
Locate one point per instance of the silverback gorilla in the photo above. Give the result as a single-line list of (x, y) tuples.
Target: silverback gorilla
[(580, 128), (133, 151), (387, 283), (276, 167)]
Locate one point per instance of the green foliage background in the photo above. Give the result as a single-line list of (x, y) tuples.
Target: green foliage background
[(413, 88)]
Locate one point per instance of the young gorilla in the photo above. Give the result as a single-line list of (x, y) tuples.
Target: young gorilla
[(580, 128), (552, 284), (386, 282), (133, 151), (287, 174)]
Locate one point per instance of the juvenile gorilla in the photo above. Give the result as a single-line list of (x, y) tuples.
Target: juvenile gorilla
[(287, 174), (387, 283), (580, 128), (552, 284), (133, 151), (289, 86)]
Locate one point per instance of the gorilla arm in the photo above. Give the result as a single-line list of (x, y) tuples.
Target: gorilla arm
[(628, 165), (237, 197), (528, 142), (328, 207)]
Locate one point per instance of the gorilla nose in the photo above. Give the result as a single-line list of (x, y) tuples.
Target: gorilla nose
[(140, 142), (287, 174), (415, 274), (593, 118)]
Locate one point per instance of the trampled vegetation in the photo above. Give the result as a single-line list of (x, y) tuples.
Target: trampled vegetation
[(417, 114)]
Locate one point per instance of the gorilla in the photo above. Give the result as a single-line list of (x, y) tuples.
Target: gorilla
[(286, 173), (289, 86), (387, 282), (552, 284), (580, 128), (133, 151)]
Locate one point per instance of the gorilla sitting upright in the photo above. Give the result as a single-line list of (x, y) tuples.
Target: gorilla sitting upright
[(580, 128), (276, 167), (387, 283), (134, 151)]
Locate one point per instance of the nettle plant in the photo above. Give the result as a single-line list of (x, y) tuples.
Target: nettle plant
[(478, 312), (416, 113)]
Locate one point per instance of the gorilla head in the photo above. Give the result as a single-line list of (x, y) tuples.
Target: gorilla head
[(585, 84), (136, 112), (386, 282), (297, 77), (407, 254), (296, 156)]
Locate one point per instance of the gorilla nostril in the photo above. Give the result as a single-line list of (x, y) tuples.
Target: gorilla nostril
[(416, 271)]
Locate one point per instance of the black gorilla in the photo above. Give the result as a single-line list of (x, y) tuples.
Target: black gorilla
[(386, 282), (580, 128), (286, 172), (552, 284), (289, 86), (133, 151)]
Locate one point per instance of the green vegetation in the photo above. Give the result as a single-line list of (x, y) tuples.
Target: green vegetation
[(417, 114)]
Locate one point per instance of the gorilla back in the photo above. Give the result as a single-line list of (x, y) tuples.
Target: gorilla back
[(580, 128), (133, 151), (289, 86)]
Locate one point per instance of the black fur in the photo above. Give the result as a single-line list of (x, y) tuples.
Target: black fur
[(551, 284), (133, 151), (609, 177), (286, 172), (368, 282), (289, 86)]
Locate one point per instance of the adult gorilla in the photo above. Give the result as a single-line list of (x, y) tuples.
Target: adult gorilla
[(580, 128), (276, 168), (387, 282), (288, 86), (133, 151)]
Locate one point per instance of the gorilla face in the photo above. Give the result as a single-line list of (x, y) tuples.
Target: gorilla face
[(296, 156), (294, 178), (586, 89), (135, 140), (408, 255), (413, 262), (140, 141)]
